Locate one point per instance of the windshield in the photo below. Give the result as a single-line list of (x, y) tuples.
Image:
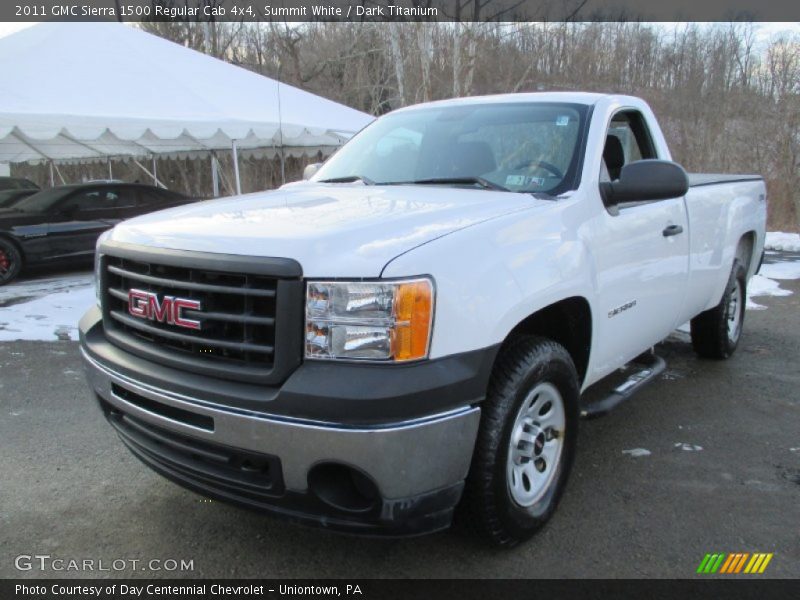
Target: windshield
[(14, 183), (41, 201), (521, 147), (10, 197)]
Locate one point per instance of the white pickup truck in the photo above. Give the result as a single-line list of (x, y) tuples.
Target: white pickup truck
[(408, 335)]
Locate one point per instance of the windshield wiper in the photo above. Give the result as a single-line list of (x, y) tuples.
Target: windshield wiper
[(539, 195), (484, 183), (349, 179)]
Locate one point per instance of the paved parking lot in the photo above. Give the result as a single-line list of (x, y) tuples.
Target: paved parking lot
[(722, 475)]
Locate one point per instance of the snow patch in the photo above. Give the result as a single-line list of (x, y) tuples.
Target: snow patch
[(688, 447), (781, 270), (637, 452), (45, 309), (778, 240), (760, 285)]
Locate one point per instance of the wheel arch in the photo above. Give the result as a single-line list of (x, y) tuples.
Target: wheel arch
[(14, 242), (567, 322), (745, 252)]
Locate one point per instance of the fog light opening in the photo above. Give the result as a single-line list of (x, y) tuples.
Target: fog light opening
[(343, 487)]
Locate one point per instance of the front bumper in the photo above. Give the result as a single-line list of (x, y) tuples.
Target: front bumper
[(263, 461)]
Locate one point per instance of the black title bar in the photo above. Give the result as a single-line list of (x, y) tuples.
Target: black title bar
[(400, 10), (387, 589)]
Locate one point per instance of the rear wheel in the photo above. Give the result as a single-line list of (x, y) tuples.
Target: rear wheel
[(716, 332), (526, 442), (10, 261)]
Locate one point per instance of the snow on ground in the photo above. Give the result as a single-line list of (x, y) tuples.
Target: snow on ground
[(763, 286), (778, 240), (637, 452), (45, 309), (764, 283), (688, 447), (789, 269)]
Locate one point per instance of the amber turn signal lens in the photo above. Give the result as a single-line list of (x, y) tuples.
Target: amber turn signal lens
[(413, 313)]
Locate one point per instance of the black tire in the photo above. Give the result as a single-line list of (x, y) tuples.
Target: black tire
[(10, 262), (488, 506), (711, 337)]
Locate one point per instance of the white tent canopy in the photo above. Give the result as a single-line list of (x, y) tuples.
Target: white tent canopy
[(93, 91)]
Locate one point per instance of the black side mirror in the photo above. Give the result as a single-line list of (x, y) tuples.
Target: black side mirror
[(645, 180)]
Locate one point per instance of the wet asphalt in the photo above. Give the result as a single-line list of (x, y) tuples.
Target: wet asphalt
[(722, 475)]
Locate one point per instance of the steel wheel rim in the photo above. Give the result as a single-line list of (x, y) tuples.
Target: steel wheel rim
[(734, 312), (536, 444)]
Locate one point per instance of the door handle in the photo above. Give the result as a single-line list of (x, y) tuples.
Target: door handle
[(672, 230)]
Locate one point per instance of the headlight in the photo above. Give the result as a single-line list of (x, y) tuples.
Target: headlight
[(384, 321)]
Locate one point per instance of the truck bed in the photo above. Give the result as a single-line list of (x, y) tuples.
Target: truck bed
[(698, 179)]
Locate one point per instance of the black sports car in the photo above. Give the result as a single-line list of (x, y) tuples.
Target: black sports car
[(13, 189), (62, 224)]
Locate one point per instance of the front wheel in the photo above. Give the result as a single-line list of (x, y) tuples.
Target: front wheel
[(716, 332), (526, 442), (10, 261)]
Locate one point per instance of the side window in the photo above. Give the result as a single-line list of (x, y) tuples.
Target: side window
[(627, 140), (82, 201), (99, 199), (120, 198)]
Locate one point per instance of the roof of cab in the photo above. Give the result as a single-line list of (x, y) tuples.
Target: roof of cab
[(588, 98)]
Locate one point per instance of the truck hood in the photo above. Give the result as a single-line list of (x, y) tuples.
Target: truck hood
[(332, 230)]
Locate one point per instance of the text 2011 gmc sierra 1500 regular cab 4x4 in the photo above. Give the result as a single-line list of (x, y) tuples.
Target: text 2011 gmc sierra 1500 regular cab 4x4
[(406, 337)]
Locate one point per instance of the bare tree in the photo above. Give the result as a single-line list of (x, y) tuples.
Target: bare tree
[(727, 100)]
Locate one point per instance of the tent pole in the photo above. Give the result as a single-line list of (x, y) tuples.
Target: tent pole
[(110, 172), (52, 176), (236, 167), (214, 175), (60, 176), (280, 127), (155, 179), (155, 171)]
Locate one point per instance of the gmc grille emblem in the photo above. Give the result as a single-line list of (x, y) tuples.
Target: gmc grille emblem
[(146, 305)]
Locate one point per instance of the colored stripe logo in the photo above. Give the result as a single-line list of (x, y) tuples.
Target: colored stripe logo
[(734, 562)]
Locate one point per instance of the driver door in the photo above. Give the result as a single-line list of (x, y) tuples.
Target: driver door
[(642, 257), (81, 217)]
